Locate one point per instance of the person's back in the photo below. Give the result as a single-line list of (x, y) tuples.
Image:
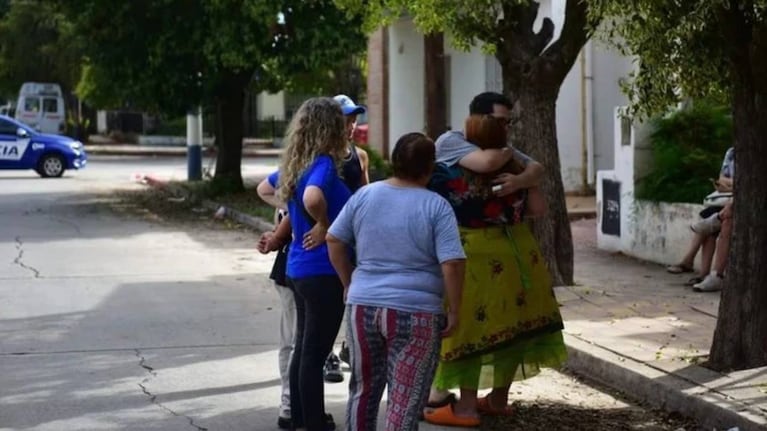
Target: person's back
[(398, 260)]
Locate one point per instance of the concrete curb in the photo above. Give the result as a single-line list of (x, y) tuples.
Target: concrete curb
[(660, 389)]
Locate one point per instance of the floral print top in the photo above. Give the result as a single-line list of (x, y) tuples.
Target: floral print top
[(471, 196)]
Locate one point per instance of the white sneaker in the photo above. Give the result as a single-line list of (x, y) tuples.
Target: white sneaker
[(711, 283), (707, 226)]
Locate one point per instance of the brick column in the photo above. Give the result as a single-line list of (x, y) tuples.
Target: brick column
[(378, 92)]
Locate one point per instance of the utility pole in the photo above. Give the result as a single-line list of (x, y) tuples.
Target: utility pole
[(194, 144)]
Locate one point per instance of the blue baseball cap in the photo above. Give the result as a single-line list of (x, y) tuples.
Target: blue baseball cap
[(348, 106)]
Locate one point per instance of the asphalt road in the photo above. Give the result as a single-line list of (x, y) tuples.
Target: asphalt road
[(110, 322)]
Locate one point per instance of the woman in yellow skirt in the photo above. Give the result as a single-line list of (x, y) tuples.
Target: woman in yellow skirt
[(510, 325)]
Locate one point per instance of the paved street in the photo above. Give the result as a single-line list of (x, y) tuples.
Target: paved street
[(115, 323)]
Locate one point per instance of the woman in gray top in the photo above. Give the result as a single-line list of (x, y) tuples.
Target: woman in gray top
[(409, 258)]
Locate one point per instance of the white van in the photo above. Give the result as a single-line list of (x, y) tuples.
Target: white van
[(41, 106)]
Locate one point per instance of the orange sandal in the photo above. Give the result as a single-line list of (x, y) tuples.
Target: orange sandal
[(447, 417), (484, 407)]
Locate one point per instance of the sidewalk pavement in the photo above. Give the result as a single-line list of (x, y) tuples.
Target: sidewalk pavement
[(638, 329)]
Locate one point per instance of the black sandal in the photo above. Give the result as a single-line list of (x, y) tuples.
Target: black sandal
[(694, 280), (450, 399)]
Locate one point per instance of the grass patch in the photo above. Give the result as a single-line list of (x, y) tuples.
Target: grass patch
[(182, 202)]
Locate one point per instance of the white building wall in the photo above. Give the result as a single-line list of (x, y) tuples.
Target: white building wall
[(473, 72), (608, 67), (569, 129), (271, 105), (467, 79), (406, 78)]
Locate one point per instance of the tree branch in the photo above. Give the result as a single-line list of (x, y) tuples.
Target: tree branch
[(561, 54)]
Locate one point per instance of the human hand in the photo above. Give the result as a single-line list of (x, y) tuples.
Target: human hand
[(505, 184), (452, 324), (268, 243), (315, 237)]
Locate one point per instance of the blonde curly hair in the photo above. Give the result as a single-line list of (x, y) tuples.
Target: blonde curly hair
[(316, 128)]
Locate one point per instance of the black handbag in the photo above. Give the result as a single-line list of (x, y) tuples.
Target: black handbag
[(280, 268)]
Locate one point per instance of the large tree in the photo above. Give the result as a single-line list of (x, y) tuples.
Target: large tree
[(697, 48), (173, 55), (534, 67), (37, 44)]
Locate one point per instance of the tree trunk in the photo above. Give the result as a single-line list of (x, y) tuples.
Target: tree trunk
[(436, 91), (534, 67), (230, 103), (535, 134), (740, 338)]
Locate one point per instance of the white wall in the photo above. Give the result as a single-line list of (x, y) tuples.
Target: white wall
[(657, 232), (473, 72), (271, 105), (406, 80), (467, 79), (608, 67), (569, 135)]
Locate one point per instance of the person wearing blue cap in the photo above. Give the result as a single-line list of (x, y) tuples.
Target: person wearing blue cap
[(354, 172)]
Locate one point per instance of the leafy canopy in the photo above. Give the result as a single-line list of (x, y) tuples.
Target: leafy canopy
[(36, 44), (170, 55), (680, 45), (469, 22)]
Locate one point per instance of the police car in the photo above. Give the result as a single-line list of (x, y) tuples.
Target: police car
[(21, 147)]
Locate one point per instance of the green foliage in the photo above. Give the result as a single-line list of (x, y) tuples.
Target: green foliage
[(37, 43), (688, 147), (379, 168), (469, 22), (169, 55), (681, 48)]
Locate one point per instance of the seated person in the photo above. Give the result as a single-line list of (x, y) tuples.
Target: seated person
[(706, 230)]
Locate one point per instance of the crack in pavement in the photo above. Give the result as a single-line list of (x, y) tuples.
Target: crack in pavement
[(153, 398), (17, 261)]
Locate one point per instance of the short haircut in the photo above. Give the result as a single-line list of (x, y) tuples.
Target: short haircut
[(485, 131), (483, 103), (413, 156)]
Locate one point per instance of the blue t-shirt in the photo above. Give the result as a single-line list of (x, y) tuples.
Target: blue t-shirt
[(401, 235), (321, 173)]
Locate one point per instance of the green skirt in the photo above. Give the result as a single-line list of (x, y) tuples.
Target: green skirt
[(509, 326)]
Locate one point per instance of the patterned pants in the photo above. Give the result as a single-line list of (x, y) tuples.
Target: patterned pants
[(395, 348)]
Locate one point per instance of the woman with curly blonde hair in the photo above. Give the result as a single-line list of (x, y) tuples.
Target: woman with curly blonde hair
[(309, 183)]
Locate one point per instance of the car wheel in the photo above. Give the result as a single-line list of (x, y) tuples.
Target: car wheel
[(51, 166)]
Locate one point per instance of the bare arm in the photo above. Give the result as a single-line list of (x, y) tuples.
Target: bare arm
[(536, 203), (339, 257), (453, 273), (267, 193), (365, 164), (486, 161), (724, 184), (283, 231), (528, 179), (316, 205)]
